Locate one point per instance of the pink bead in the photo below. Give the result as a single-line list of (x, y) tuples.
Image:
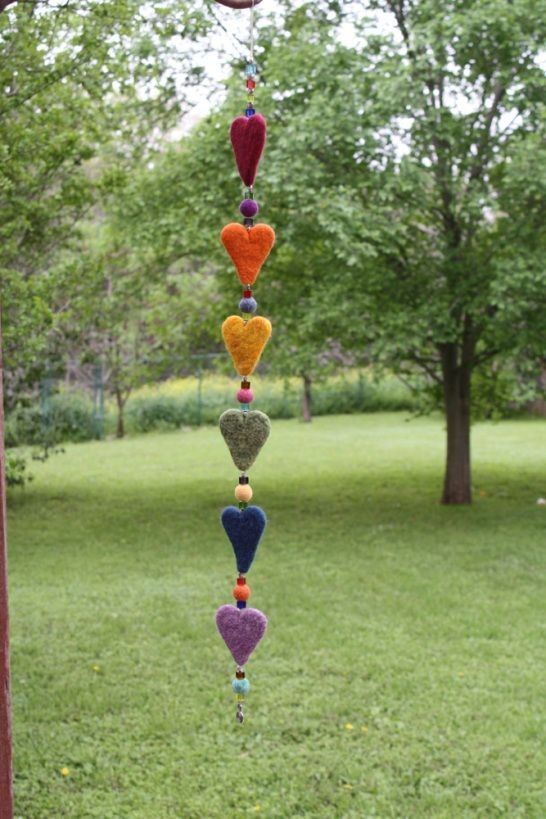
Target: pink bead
[(245, 396)]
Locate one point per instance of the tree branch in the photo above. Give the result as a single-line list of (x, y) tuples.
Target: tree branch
[(499, 90), (425, 364)]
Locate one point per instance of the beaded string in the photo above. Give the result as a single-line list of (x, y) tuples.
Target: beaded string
[(244, 430), (247, 305)]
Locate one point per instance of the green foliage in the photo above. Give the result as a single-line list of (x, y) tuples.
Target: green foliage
[(405, 178), (404, 175), (71, 416), (16, 469), (402, 673), (68, 416), (84, 86), (279, 401), (161, 412)]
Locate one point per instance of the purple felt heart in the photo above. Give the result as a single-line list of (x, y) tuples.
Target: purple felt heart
[(241, 630)]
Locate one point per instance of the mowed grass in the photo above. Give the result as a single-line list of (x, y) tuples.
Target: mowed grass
[(403, 673)]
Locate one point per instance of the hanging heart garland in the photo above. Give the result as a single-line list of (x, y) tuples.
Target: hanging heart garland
[(245, 431)]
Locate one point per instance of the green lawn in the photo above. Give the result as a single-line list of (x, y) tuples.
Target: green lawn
[(403, 673)]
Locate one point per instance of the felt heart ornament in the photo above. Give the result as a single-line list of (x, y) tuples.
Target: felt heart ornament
[(245, 433), (245, 341), (241, 630), (244, 528), (248, 141), (248, 248)]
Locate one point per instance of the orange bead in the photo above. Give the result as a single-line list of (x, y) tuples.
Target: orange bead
[(241, 592), (243, 492)]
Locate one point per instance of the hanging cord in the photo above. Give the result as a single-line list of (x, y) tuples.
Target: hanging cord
[(251, 35)]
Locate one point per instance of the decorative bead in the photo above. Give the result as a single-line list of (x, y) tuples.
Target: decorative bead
[(249, 207), (248, 305), (243, 480), (245, 384), (241, 604), (244, 407), (245, 396), (249, 112), (243, 505), (240, 674), (251, 69), (241, 687), (250, 83), (243, 492), (248, 222), (241, 592), (249, 192)]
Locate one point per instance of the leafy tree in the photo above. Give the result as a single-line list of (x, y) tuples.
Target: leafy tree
[(456, 274), (404, 177), (137, 323), (195, 184), (433, 218), (80, 80)]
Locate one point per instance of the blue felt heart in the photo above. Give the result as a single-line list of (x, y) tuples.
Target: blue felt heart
[(244, 527)]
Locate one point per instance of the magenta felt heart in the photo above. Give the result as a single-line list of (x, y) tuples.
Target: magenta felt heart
[(248, 140), (241, 630)]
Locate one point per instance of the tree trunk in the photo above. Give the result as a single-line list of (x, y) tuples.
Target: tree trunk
[(120, 401), (457, 378), (306, 402), (6, 792)]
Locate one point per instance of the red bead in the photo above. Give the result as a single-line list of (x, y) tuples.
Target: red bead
[(250, 83), (241, 581), (247, 294)]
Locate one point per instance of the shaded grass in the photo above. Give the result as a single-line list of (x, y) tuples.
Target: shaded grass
[(403, 670)]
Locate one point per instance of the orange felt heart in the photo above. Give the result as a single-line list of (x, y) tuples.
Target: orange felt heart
[(248, 247), (245, 341)]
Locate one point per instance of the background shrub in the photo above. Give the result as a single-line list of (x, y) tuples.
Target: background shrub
[(16, 469), (66, 416), (173, 405), (69, 415)]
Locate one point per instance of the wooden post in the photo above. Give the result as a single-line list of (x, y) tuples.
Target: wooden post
[(6, 781)]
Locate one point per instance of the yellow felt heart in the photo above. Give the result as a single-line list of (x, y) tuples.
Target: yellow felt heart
[(245, 341)]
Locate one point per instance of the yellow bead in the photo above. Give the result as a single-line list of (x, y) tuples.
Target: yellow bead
[(240, 697), (243, 492)]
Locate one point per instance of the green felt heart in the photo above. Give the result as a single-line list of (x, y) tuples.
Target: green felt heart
[(245, 433)]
